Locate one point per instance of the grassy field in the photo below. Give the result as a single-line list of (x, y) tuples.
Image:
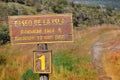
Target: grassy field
[(70, 61)]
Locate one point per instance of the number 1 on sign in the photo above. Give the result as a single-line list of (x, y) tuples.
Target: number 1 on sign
[(42, 58)]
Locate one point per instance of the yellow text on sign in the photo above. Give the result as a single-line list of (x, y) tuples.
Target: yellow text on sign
[(42, 58)]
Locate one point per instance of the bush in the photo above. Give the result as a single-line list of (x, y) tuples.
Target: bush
[(59, 6), (2, 60), (29, 75), (4, 35), (12, 9)]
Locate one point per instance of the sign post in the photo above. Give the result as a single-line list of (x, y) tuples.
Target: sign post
[(40, 30), (42, 48)]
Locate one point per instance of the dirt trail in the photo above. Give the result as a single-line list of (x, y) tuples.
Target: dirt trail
[(96, 58)]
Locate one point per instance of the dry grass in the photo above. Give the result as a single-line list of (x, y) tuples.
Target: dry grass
[(112, 64), (111, 59), (19, 57), (81, 47)]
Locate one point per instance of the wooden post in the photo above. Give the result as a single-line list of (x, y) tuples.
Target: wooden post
[(43, 47), (44, 77)]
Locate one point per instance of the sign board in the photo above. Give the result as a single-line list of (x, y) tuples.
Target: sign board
[(41, 29), (42, 62)]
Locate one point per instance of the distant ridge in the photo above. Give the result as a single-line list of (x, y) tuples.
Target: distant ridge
[(110, 3)]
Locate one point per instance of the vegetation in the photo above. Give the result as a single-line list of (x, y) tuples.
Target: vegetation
[(2, 60), (111, 57), (4, 34), (83, 15), (71, 61), (29, 75)]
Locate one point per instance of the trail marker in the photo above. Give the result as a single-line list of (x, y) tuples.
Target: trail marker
[(42, 61)]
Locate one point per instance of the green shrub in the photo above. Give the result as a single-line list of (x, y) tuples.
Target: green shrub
[(13, 8), (3, 60), (29, 75), (4, 35), (59, 6)]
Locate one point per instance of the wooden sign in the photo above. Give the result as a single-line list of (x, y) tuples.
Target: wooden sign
[(41, 29), (42, 62)]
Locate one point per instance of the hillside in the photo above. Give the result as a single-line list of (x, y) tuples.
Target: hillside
[(83, 15)]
